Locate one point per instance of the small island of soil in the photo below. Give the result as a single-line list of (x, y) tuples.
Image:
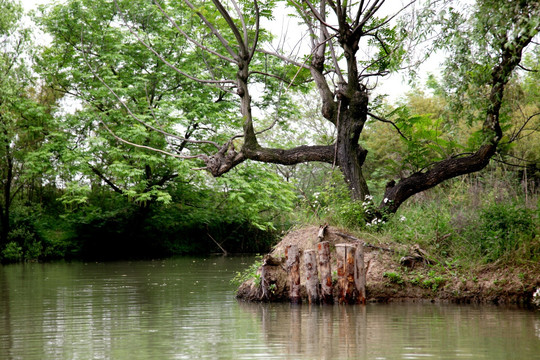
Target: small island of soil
[(394, 273)]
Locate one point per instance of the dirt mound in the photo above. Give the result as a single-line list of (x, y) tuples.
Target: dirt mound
[(388, 279)]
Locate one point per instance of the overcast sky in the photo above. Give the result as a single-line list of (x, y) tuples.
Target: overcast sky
[(32, 4)]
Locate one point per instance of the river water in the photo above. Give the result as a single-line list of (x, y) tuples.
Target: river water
[(184, 308)]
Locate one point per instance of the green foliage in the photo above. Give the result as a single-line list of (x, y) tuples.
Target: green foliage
[(433, 283), (502, 229), (431, 280), (469, 222), (12, 252), (475, 37), (393, 277), (31, 246), (424, 140), (255, 194), (250, 273), (24, 121), (331, 202)]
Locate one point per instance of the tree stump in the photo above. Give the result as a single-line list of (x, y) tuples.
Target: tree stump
[(346, 264), (323, 249), (312, 276), (293, 270), (360, 274)]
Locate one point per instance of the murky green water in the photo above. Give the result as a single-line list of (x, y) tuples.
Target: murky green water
[(185, 309)]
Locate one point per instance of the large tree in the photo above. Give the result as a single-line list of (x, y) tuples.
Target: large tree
[(24, 117), (228, 85)]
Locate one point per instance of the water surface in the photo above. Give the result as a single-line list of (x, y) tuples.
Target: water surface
[(184, 308)]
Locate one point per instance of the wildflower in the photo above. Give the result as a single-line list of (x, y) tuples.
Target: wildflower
[(536, 297), (402, 218), (385, 200), (369, 197)]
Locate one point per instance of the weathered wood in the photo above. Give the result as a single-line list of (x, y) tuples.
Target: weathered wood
[(360, 273), (312, 276), (264, 283), (347, 292), (293, 270), (323, 250), (322, 231)]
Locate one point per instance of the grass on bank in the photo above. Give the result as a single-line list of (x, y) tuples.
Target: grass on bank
[(469, 222)]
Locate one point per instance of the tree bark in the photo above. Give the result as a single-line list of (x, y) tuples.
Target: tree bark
[(360, 273), (350, 156), (312, 276), (323, 249), (348, 293), (293, 270), (396, 194)]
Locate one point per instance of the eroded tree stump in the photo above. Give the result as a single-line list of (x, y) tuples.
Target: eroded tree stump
[(323, 250), (360, 273), (346, 264), (293, 270), (312, 276)]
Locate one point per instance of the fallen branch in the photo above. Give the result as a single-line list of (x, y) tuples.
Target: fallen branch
[(218, 244)]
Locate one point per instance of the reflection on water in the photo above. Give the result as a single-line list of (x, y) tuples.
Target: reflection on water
[(399, 331), (185, 308)]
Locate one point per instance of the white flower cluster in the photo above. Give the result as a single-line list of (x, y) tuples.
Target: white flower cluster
[(402, 218), (368, 202), (375, 222), (536, 297)]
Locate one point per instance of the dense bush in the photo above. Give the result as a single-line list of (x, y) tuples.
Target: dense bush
[(501, 230)]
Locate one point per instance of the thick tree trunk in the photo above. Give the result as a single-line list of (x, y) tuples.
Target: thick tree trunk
[(350, 155)]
